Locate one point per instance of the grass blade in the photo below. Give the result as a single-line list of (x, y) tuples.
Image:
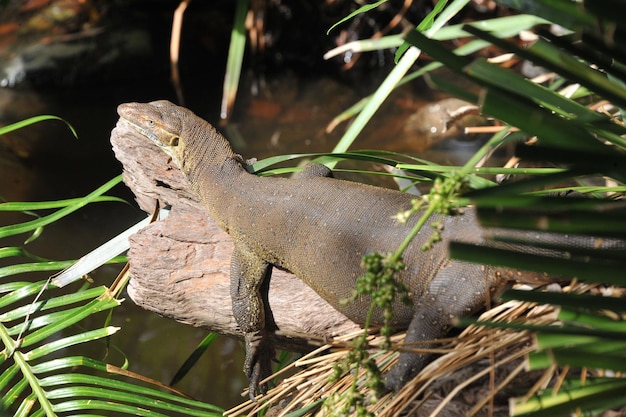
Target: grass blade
[(235, 59), (25, 227), (92, 307), (44, 205), (612, 273), (193, 358), (32, 120)]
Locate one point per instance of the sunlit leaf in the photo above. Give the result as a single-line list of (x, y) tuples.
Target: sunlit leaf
[(32, 120), (362, 9), (25, 227)]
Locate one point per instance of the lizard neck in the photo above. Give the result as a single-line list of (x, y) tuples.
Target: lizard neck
[(203, 146), (215, 173), (219, 186)]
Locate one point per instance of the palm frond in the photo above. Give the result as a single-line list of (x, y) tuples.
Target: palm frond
[(43, 327), (41, 376)]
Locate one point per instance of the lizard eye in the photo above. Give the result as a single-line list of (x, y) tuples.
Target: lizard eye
[(174, 141), (150, 122)]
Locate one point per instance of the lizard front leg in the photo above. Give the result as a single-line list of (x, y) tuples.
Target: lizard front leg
[(247, 274)]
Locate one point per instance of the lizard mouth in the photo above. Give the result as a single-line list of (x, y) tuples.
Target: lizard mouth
[(145, 132)]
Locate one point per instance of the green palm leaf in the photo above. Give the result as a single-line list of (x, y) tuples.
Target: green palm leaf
[(39, 378), (41, 327), (588, 145)]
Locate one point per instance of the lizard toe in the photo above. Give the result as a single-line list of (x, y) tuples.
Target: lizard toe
[(257, 365)]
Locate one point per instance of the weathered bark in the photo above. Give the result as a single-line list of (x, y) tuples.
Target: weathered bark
[(180, 266)]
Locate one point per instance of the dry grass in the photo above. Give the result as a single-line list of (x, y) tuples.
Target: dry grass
[(472, 369)]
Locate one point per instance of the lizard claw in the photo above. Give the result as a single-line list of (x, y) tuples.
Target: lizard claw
[(257, 365)]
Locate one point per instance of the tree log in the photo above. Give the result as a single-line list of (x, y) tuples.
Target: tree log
[(180, 266)]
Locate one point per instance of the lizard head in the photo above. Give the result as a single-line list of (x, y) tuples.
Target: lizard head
[(161, 122), (185, 137)]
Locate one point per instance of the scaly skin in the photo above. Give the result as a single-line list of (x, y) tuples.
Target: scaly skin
[(318, 228)]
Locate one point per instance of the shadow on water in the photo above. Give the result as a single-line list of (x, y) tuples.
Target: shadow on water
[(47, 163)]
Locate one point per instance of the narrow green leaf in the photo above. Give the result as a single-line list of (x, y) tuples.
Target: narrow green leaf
[(94, 394), (25, 290), (6, 271), (50, 266), (526, 184), (544, 204), (581, 316), (43, 320), (553, 58), (514, 83), (578, 351), (439, 52), (588, 271), (45, 205), (566, 13), (305, 410), (235, 59), (550, 330), (597, 394), (13, 394), (193, 358), (510, 106), (424, 25), (403, 65), (589, 347), (539, 360), (381, 93), (481, 170), (596, 55), (25, 227), (503, 27), (26, 406), (429, 20), (36, 233), (68, 362), (603, 160), (70, 341), (33, 120), (374, 156), (362, 9), (149, 394), (37, 392), (11, 251), (92, 307), (551, 129), (52, 303), (7, 376), (598, 223), (89, 404), (12, 286)]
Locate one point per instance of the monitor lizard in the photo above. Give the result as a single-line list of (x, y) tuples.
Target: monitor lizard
[(318, 228)]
